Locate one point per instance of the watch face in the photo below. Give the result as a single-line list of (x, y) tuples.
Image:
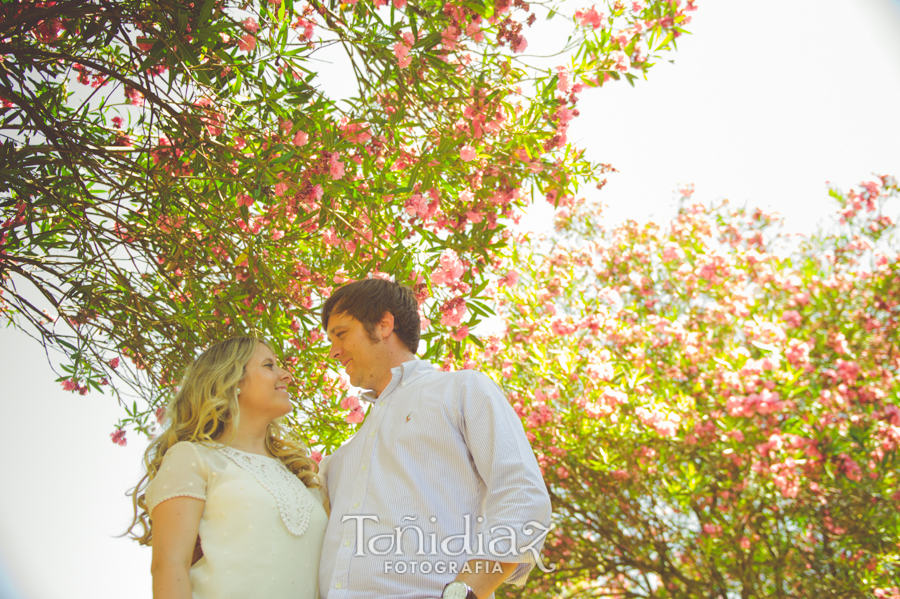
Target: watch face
[(455, 590)]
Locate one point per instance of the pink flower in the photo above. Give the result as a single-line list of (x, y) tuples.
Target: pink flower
[(247, 43), (160, 413), (300, 138), (335, 166), (564, 83), (135, 97), (712, 530), (356, 416), (450, 269), (562, 326), (316, 456), (467, 153), (590, 17), (280, 188), (48, 31), (417, 205), (519, 44), (117, 122), (69, 385), (791, 318), (401, 51), (453, 312), (672, 251), (665, 425), (399, 3), (351, 402), (330, 237), (744, 542), (114, 363), (244, 200), (474, 217), (621, 60), (619, 474), (251, 25), (118, 437), (460, 333)]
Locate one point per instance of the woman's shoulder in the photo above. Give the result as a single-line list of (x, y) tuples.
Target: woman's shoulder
[(192, 451)]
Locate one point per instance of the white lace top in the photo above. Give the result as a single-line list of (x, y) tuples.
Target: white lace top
[(261, 528)]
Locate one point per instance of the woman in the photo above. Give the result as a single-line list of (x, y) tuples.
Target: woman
[(233, 505)]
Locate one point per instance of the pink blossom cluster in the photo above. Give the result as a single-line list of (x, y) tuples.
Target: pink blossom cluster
[(597, 409), (562, 325), (450, 268), (335, 166), (356, 415), (763, 403), (789, 368), (118, 437), (664, 423), (306, 24), (590, 17), (453, 312), (599, 367), (357, 133), (73, 385), (402, 48)]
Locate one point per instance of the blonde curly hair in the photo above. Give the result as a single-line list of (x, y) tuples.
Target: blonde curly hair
[(201, 411)]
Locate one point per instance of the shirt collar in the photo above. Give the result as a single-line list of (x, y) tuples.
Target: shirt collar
[(401, 376)]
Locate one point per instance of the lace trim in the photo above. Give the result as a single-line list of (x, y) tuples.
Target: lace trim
[(295, 504)]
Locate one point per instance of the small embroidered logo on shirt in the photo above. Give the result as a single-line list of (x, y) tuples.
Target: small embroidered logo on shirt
[(408, 416)]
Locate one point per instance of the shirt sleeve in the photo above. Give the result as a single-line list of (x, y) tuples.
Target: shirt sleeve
[(517, 505), (182, 473)]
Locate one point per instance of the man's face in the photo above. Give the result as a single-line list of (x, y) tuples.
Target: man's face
[(350, 344)]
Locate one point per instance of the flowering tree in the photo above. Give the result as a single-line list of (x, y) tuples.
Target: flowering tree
[(714, 404), (174, 175)]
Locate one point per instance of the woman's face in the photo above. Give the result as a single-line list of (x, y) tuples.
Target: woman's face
[(264, 391)]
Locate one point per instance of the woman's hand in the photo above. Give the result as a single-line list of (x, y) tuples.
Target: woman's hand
[(175, 524)]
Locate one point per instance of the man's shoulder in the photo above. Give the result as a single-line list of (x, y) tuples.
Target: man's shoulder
[(462, 380), (457, 375)]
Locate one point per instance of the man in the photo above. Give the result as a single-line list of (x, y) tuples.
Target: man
[(438, 494)]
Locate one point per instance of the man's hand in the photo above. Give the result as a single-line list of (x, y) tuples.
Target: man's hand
[(485, 576)]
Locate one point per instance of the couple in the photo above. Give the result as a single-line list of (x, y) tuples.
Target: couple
[(438, 494)]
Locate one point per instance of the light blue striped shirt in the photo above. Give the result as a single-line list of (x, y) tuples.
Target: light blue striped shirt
[(440, 455)]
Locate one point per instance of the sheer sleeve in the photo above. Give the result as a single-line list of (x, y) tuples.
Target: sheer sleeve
[(182, 473)]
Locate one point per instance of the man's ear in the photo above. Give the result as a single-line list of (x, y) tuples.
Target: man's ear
[(386, 324)]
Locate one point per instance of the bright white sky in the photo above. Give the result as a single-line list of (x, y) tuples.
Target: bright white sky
[(767, 101)]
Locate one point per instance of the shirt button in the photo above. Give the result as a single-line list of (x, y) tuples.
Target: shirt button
[(363, 466), (356, 505), (337, 585), (372, 434), (346, 543)]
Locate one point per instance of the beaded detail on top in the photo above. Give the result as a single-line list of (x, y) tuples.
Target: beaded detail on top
[(295, 503)]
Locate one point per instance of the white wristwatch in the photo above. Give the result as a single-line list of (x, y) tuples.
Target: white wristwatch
[(458, 590)]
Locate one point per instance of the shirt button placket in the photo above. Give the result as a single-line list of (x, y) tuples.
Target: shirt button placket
[(359, 492)]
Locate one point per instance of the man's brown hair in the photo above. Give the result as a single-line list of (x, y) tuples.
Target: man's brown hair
[(369, 299)]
